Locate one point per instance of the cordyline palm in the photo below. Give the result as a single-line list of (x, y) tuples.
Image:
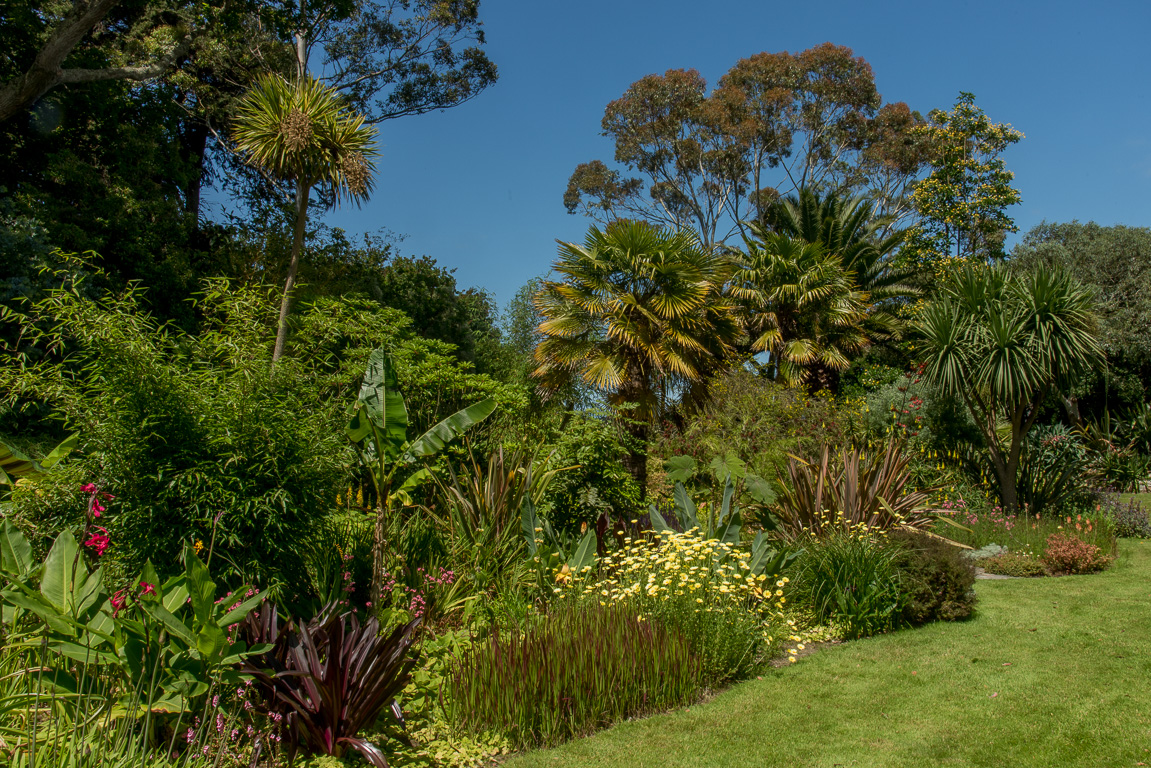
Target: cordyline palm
[(640, 313), (801, 306), (847, 228), (302, 133), (1002, 341)]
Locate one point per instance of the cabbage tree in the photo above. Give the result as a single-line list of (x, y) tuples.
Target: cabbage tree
[(302, 132), (1002, 341)]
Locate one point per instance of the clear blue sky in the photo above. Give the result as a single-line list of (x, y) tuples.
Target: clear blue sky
[(479, 187)]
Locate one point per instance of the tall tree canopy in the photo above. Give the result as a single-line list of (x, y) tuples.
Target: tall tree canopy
[(776, 123), (1116, 263)]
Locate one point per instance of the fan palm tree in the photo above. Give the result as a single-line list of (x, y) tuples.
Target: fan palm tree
[(639, 315), (1002, 341), (801, 306), (301, 132), (848, 228)]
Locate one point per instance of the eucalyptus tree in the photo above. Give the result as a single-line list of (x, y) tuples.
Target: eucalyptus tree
[(1002, 341), (301, 133), (800, 305), (640, 314)]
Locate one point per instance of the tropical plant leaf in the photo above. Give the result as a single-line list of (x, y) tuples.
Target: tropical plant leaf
[(15, 551), (433, 441), (59, 577), (680, 469)]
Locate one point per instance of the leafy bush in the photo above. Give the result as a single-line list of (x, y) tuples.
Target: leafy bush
[(913, 410), (850, 578), (590, 451), (1131, 519), (1013, 564), (704, 590), (198, 437), (938, 580), (1052, 471), (860, 487), (755, 420), (579, 668), (1067, 554)]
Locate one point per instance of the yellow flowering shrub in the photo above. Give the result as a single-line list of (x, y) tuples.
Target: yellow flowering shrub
[(702, 588)]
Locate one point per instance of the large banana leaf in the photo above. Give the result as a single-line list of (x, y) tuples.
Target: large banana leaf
[(433, 441), (380, 404), (14, 464)]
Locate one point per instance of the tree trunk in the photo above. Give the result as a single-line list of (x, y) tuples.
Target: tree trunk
[(303, 191), (379, 542), (636, 460), (193, 146)]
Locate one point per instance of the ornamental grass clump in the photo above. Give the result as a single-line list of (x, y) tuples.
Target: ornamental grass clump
[(705, 590), (850, 579), (581, 667)]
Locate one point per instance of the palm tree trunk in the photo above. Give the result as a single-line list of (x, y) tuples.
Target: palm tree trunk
[(303, 192), (635, 462)]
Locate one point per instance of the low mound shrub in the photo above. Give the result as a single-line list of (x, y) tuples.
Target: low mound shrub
[(1067, 554), (1013, 564), (938, 581), (1130, 519)]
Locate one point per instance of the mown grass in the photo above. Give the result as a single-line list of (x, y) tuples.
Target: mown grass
[(1050, 672)]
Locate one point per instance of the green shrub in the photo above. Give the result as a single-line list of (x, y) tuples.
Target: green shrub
[(850, 579), (590, 451), (936, 578), (1013, 564), (1131, 519), (195, 435), (577, 669)]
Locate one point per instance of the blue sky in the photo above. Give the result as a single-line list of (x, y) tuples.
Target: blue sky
[(479, 187)]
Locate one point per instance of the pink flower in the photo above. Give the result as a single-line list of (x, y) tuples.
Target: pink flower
[(98, 541), (147, 589), (88, 488)]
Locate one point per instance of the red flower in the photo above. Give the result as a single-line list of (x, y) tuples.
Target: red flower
[(98, 541), (147, 589)]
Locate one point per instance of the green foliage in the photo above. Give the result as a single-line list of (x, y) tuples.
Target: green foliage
[(1001, 341), (962, 203), (378, 430), (1130, 518), (864, 488), (802, 305), (575, 670), (593, 482), (1053, 471), (938, 580), (1116, 263), (164, 644), (1018, 564), (195, 435), (851, 579), (748, 422)]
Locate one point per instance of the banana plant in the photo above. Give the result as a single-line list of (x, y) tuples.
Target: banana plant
[(14, 465), (378, 431)]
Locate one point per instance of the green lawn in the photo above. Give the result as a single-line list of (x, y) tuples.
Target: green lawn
[(1052, 672)]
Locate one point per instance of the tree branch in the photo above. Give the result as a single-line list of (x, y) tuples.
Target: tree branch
[(46, 72)]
